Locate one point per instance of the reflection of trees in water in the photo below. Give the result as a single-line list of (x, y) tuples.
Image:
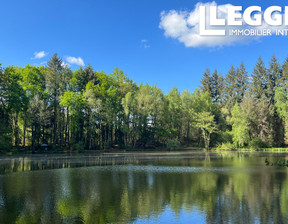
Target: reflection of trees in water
[(21, 164), (29, 163), (109, 195)]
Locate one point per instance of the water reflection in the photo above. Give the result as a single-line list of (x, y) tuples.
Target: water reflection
[(11, 164), (236, 189)]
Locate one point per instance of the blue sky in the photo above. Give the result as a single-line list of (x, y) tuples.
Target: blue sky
[(124, 34)]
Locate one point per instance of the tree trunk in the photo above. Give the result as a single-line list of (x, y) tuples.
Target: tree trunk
[(24, 131), (43, 135), (55, 124), (188, 131), (66, 126), (16, 130)]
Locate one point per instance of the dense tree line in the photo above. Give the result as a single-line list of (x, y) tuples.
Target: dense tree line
[(87, 109)]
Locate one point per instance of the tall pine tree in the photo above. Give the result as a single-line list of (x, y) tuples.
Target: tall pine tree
[(230, 88), (217, 86), (206, 82), (242, 82), (274, 74), (259, 85), (53, 77)]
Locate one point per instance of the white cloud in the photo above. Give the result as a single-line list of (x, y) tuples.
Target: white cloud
[(73, 60), (40, 54), (184, 26), (64, 64)]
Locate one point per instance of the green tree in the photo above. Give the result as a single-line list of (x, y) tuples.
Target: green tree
[(174, 111), (203, 115), (240, 129), (281, 98), (130, 111), (242, 80), (187, 116), (274, 74), (33, 82), (217, 87), (81, 77), (14, 98), (158, 116), (75, 104), (213, 84), (6, 126), (284, 77), (259, 115), (230, 88), (258, 85), (205, 121), (206, 82), (54, 81)]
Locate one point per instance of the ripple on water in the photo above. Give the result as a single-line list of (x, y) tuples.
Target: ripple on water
[(167, 169)]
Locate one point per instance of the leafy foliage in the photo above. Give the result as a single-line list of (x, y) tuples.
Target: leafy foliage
[(257, 143), (173, 144), (88, 109), (240, 129)]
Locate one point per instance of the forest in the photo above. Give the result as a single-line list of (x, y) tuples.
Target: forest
[(86, 109)]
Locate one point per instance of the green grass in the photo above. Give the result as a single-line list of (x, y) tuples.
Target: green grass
[(254, 149)]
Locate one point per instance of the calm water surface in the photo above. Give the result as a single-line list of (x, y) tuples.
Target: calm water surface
[(143, 188)]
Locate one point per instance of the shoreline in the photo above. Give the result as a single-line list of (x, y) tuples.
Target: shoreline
[(142, 152)]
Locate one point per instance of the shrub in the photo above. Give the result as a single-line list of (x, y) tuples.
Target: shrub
[(79, 146), (107, 145), (257, 143), (5, 142), (226, 146), (226, 136), (173, 144)]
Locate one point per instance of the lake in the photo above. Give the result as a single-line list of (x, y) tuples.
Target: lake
[(197, 187)]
